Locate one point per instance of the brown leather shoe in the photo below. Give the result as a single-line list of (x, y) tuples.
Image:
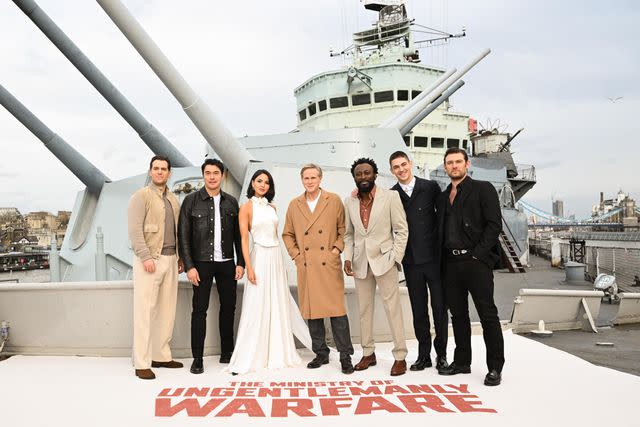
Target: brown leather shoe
[(145, 374), (365, 362), (170, 364), (399, 367)]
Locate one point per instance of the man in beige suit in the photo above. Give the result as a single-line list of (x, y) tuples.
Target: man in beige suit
[(375, 240), (152, 216), (314, 236)]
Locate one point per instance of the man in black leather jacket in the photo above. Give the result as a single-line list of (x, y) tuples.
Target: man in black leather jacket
[(208, 235), (469, 223)]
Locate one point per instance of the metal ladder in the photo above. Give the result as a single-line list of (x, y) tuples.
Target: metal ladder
[(513, 262)]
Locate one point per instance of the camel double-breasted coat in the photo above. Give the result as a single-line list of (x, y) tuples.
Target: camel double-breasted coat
[(309, 239)]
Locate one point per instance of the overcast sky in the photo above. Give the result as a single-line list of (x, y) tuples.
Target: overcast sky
[(552, 67)]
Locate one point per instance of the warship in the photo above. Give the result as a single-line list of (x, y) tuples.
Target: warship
[(386, 100), (359, 111), (86, 309)]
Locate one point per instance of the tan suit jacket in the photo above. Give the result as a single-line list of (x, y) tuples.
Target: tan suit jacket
[(382, 245)]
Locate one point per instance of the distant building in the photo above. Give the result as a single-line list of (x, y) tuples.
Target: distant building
[(621, 209), (40, 227), (558, 208), (9, 215)]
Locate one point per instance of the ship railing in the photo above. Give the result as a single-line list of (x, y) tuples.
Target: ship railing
[(526, 172)]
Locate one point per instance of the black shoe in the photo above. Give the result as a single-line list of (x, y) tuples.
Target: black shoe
[(317, 362), (454, 369), (441, 362), (421, 363), (225, 358), (196, 366), (347, 366), (493, 378)]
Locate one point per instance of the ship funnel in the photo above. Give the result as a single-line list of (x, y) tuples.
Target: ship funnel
[(148, 133), (231, 152), (402, 120), (82, 168)]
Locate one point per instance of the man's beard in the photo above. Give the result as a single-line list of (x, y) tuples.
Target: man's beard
[(365, 188), (456, 174)]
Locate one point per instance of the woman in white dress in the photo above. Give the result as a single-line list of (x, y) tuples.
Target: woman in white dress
[(270, 317)]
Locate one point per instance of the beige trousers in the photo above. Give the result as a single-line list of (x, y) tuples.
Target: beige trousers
[(154, 310), (389, 290)]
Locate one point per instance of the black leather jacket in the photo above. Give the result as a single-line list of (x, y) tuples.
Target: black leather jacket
[(196, 228)]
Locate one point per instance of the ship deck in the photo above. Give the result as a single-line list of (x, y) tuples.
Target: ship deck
[(544, 380)]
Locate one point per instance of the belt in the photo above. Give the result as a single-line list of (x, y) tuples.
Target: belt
[(457, 252)]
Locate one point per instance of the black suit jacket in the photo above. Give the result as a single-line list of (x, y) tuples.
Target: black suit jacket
[(481, 219), (421, 217)]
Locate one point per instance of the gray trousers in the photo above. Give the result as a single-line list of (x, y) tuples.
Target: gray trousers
[(341, 336)]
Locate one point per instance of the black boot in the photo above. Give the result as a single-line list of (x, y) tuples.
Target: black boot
[(196, 366)]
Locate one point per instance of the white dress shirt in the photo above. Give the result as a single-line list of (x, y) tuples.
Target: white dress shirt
[(408, 188)]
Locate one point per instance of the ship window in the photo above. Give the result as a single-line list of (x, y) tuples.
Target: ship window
[(302, 114), (437, 142), (464, 144), (407, 140), (312, 109), (419, 141), (453, 143), (385, 96), (339, 102), (415, 93), (403, 95), (361, 99), (322, 105)]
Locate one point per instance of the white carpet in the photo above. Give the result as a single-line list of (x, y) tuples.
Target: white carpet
[(541, 387)]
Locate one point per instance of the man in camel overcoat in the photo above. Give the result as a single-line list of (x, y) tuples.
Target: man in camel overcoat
[(313, 235)]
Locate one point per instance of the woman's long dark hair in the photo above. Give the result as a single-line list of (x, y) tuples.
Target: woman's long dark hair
[(271, 192)]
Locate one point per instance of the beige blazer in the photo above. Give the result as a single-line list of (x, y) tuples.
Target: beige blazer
[(146, 221), (383, 244)]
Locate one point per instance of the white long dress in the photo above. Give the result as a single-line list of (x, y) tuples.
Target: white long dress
[(270, 316)]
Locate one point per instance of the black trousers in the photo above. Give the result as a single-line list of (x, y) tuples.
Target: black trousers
[(224, 273), (341, 336), (464, 275), (420, 277)]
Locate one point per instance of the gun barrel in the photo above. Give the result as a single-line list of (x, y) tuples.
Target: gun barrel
[(435, 104), (231, 152), (415, 101), (82, 168), (403, 120), (147, 132)]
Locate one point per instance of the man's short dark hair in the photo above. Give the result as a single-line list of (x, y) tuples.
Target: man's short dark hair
[(456, 150), (271, 192), (397, 155), (213, 162), (362, 161), (161, 158)]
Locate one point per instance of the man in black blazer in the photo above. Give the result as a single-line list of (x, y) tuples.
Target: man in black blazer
[(469, 223), (420, 263)]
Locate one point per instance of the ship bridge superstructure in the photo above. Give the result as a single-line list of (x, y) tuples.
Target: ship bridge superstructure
[(384, 75)]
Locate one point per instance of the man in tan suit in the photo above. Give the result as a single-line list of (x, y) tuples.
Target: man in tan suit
[(314, 237), (375, 240), (152, 216)]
